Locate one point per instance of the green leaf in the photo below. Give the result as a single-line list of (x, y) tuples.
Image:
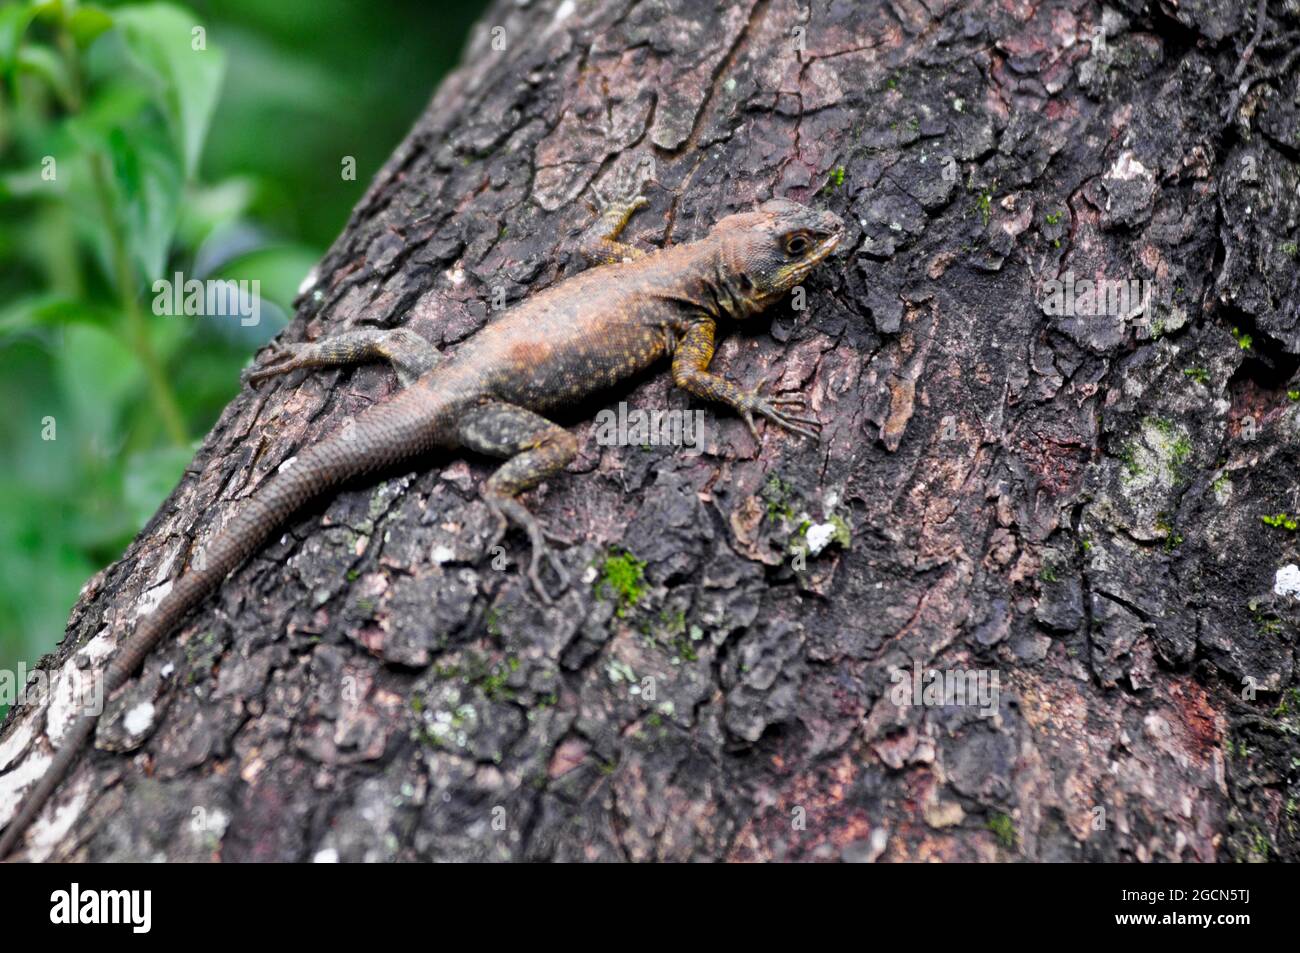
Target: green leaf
[(207, 208), (87, 23), (148, 184), (186, 80), (45, 63), (50, 310), (278, 269), (97, 373), (51, 11), (26, 183), (13, 24), (150, 477), (43, 571)]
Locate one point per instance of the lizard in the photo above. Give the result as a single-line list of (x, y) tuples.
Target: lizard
[(574, 339)]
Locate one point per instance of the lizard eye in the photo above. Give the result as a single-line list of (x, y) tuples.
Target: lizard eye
[(796, 244)]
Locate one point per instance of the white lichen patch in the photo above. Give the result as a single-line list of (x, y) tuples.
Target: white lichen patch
[(164, 569), (49, 830), (17, 741), (1174, 318), (1112, 21), (206, 828), (79, 685), (443, 554), (1287, 582), (13, 784), (819, 536), (1149, 467), (563, 12), (452, 727), (139, 719), (942, 814), (1152, 460), (150, 599), (447, 721), (620, 671), (211, 824), (1127, 167)]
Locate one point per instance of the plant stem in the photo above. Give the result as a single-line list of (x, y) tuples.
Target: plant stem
[(68, 47), (124, 273)]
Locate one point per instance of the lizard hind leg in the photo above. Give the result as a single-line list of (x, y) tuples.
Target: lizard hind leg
[(535, 448), (410, 354)]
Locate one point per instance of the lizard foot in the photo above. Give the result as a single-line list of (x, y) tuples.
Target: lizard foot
[(506, 510), (619, 210), (624, 186), (777, 409), (600, 244)]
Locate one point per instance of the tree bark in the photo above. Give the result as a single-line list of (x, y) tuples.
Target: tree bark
[(1068, 504)]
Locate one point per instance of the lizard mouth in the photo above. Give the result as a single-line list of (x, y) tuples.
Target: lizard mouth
[(828, 245)]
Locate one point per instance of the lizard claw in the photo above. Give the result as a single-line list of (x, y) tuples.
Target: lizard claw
[(556, 537), (775, 410), (542, 551), (507, 509), (632, 204), (280, 359), (499, 533)]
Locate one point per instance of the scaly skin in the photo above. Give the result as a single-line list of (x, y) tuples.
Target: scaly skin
[(558, 347)]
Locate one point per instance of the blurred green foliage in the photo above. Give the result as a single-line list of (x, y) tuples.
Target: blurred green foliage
[(138, 140)]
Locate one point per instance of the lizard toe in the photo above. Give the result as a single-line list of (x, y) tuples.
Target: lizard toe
[(543, 554), (280, 359)]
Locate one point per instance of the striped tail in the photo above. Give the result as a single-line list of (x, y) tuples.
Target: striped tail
[(386, 434)]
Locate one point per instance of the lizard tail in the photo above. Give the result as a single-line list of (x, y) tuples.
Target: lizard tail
[(385, 434)]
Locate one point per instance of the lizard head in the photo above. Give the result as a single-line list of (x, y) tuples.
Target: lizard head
[(764, 253)]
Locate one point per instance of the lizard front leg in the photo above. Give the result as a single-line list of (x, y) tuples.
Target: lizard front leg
[(410, 354), (691, 373), (600, 246), (536, 448)]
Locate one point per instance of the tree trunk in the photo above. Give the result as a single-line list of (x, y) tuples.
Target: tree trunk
[(1056, 511)]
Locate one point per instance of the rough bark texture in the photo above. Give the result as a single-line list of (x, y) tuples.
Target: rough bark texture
[(1073, 503)]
